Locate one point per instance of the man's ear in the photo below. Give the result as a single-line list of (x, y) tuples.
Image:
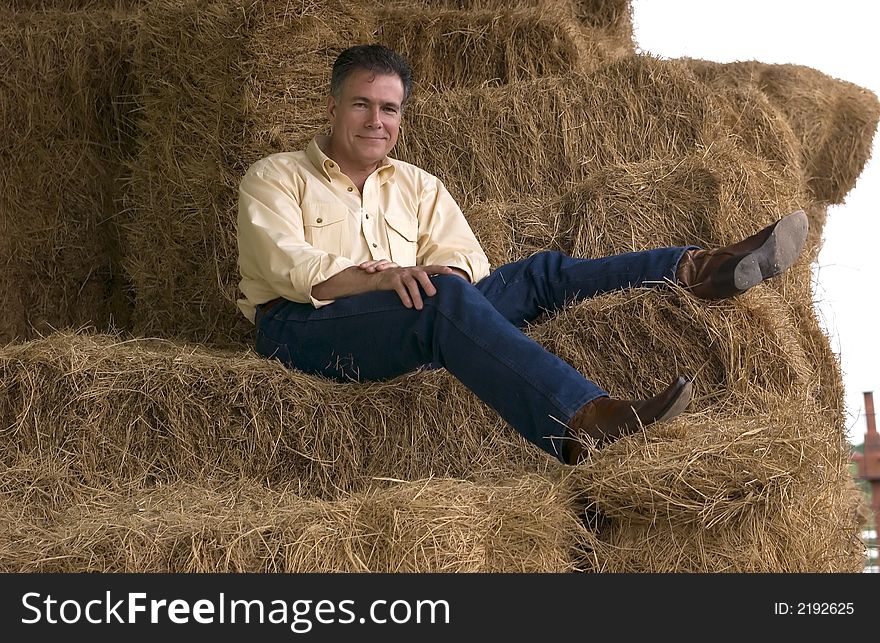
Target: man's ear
[(331, 109)]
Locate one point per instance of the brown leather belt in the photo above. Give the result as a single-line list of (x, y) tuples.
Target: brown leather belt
[(264, 308)]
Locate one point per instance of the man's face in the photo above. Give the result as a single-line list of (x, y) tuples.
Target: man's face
[(366, 118)]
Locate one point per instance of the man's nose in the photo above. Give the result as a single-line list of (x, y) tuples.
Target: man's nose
[(373, 119)]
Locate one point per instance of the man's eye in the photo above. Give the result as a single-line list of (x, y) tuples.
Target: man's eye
[(391, 110)]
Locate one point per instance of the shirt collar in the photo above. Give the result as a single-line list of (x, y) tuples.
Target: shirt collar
[(326, 166)]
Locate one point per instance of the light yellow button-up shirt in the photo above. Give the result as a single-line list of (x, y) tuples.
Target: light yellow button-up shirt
[(301, 221)]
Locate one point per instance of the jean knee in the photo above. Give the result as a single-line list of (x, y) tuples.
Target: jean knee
[(551, 259), (451, 285), (452, 290)]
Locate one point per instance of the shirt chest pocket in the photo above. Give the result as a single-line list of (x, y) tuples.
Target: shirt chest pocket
[(403, 235), (325, 226)]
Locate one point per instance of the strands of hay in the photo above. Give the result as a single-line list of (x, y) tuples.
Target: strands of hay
[(611, 18), (452, 49), (709, 198), (467, 49), (813, 529), (714, 470), (834, 120), (182, 186), (65, 135), (523, 524), (766, 491), (141, 411), (633, 343), (36, 6), (544, 136)]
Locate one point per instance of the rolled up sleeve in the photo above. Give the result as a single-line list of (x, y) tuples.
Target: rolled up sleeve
[(445, 238), (274, 258)]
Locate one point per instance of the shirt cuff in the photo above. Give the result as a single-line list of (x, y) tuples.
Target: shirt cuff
[(338, 264), (317, 303), (463, 262)]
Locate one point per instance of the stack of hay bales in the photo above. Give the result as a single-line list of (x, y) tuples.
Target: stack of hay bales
[(65, 140), (162, 443)]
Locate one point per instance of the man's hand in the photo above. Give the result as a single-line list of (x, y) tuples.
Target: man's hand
[(382, 275), (406, 281)]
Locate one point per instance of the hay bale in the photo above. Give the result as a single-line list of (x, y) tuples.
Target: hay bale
[(451, 49), (834, 120), (181, 192), (737, 351), (708, 198), (289, 56), (609, 20), (512, 230), (524, 524), (66, 133), (542, 137), (26, 6), (141, 411), (765, 491), (810, 530), (716, 466)]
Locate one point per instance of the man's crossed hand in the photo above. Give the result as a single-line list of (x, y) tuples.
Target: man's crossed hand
[(406, 281), (384, 274)]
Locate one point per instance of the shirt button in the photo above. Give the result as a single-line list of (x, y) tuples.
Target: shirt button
[(318, 220), (331, 164), (375, 246), (350, 189), (368, 216)]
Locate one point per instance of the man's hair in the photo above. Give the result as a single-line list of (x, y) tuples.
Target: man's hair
[(374, 58)]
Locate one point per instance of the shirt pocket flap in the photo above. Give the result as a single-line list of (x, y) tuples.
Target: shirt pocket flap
[(319, 215), (406, 227)]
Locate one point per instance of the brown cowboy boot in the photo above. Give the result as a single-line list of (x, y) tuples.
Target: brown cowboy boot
[(606, 420), (729, 271)]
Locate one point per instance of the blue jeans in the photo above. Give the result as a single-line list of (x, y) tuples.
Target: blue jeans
[(471, 330)]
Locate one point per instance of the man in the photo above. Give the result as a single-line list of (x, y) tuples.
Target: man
[(357, 266)]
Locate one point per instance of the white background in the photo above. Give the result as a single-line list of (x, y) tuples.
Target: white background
[(841, 39)]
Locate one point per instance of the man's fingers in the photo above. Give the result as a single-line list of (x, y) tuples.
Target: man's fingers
[(425, 282), (404, 295), (370, 266), (412, 285), (409, 282), (437, 270), (377, 265)]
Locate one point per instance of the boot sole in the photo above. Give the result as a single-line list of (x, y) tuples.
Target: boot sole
[(679, 403), (777, 254)]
